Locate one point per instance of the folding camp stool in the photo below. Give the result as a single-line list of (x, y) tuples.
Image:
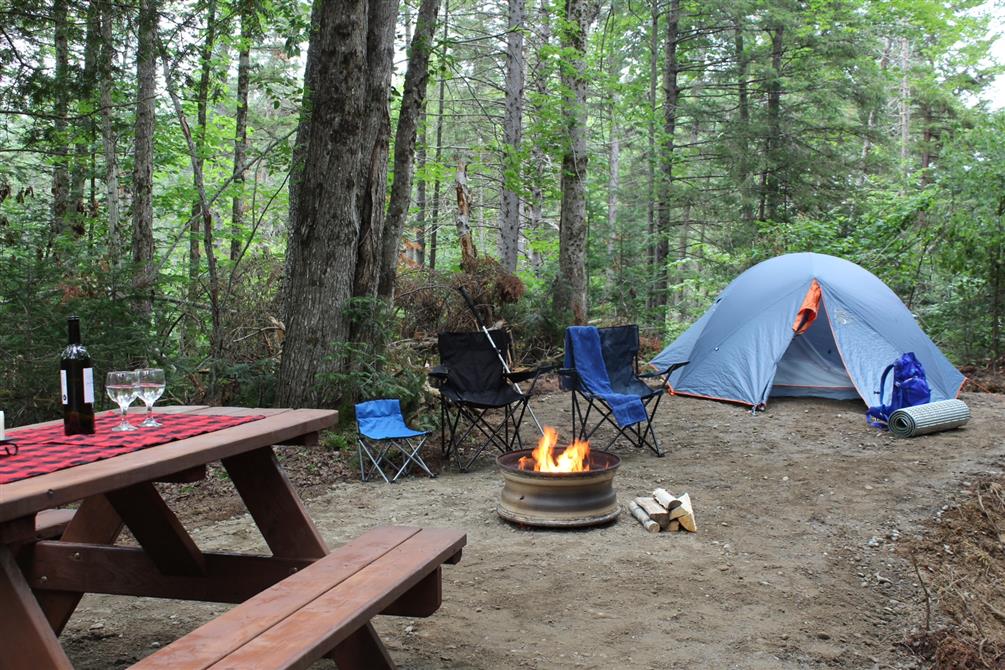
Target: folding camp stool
[(383, 432)]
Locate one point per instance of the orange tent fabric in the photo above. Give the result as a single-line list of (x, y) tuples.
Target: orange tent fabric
[(807, 313)]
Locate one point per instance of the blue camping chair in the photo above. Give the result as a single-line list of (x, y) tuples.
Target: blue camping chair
[(381, 429), (602, 370)]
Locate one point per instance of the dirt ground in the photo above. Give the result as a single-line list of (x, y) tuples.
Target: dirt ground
[(800, 511)]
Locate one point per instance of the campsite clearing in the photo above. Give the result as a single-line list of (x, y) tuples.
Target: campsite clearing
[(818, 582)]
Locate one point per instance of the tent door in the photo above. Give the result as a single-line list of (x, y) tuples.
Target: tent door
[(812, 365)]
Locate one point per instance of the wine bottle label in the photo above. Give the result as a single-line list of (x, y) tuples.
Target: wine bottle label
[(62, 385), (89, 385)]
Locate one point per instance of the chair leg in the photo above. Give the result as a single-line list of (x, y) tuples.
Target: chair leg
[(412, 457), (655, 445), (639, 435), (375, 461)]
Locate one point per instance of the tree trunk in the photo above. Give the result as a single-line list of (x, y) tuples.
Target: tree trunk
[(614, 288), (106, 72), (538, 158), (143, 156), (509, 218), (381, 20), (462, 221), (743, 144), (83, 146), (197, 224), (205, 214), (413, 99), (772, 178), (438, 153), (904, 105), (61, 152), (870, 125), (337, 172), (420, 193), (570, 294), (654, 48), (671, 91), (248, 20), (684, 265)]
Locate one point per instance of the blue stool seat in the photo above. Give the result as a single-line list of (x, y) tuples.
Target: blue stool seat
[(381, 421)]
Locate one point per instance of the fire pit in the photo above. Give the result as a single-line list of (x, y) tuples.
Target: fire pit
[(571, 490)]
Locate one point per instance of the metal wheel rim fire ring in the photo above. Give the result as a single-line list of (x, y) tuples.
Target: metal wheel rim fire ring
[(558, 499)]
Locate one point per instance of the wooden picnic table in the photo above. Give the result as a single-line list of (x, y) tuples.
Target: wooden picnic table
[(42, 581)]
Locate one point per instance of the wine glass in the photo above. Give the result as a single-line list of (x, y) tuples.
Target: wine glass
[(122, 387), (151, 385)]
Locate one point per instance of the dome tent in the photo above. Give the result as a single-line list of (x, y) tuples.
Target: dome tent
[(802, 325)]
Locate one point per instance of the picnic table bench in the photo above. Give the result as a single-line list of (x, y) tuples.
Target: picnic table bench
[(324, 609), (298, 604)]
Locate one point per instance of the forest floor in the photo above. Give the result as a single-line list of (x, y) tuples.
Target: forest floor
[(809, 527)]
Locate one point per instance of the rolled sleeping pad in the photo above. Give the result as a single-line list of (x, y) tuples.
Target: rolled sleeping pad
[(930, 418)]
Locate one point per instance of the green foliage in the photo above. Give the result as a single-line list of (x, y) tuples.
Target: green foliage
[(372, 368)]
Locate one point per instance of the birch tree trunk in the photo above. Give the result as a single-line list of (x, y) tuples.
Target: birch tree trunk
[(143, 151), (413, 99), (336, 174), (463, 219), (248, 21), (438, 152), (509, 218), (106, 72), (419, 255), (571, 284)]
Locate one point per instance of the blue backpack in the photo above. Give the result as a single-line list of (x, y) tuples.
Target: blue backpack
[(910, 388)]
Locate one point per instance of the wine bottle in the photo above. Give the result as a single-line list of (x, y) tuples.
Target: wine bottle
[(76, 377)]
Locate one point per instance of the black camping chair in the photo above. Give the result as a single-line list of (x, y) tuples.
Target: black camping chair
[(619, 346), (472, 381)]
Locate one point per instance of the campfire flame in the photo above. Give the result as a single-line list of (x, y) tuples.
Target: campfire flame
[(575, 458)]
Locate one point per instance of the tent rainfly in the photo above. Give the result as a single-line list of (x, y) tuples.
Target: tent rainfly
[(803, 325)]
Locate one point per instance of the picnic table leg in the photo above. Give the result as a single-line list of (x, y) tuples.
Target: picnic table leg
[(95, 522), (362, 650), (274, 505), (27, 640)]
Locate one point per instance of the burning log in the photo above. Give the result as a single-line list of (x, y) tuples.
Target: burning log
[(655, 511), (643, 518)]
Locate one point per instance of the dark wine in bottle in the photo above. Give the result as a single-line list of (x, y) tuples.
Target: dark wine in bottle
[(76, 379)]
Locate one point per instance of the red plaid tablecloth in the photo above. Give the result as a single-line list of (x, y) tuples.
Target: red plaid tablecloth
[(45, 450)]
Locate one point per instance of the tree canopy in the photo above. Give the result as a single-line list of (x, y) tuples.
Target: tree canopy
[(266, 196)]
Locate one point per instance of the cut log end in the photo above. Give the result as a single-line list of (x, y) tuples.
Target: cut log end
[(666, 499), (655, 511)]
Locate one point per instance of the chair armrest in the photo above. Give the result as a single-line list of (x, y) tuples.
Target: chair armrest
[(660, 373), (523, 375), (438, 374)]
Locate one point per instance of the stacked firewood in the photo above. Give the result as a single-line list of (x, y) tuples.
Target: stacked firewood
[(664, 511)]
